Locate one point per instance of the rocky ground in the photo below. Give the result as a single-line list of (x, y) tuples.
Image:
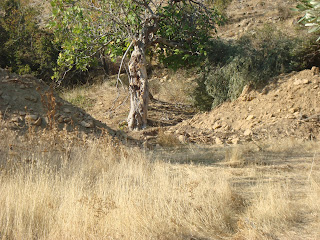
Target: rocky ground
[(286, 108), (27, 102)]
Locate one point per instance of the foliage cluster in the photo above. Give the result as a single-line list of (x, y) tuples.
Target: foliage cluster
[(178, 29), (311, 8), (253, 59), (24, 47)]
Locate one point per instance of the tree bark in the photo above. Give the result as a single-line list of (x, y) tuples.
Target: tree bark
[(138, 88)]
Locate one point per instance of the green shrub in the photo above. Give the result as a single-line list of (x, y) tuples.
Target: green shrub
[(253, 59), (24, 47)]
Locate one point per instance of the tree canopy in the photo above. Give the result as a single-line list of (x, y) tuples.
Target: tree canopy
[(179, 28)]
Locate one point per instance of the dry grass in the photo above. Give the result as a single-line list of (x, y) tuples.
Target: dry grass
[(167, 139), (80, 97), (175, 87), (56, 185)]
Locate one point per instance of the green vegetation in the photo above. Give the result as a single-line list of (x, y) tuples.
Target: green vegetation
[(225, 66), (24, 47), (254, 59), (180, 30), (311, 8)]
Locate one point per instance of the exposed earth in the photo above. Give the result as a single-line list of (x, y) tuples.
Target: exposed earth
[(27, 102), (286, 108)]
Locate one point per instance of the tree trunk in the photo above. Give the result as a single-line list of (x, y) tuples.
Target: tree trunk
[(138, 88)]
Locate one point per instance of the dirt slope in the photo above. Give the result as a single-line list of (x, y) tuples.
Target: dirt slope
[(28, 102), (286, 108)]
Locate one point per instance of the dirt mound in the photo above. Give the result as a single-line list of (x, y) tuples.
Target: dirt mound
[(28, 102), (287, 108)]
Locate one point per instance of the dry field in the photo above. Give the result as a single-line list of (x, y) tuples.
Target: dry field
[(56, 185)]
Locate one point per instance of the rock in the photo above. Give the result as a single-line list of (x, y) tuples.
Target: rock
[(66, 110), (297, 82), (1, 92), (33, 119), (216, 125), (315, 70), (22, 113), (168, 132), (235, 141), (227, 127), (15, 119), (264, 91), (250, 117), (305, 81), (293, 110), (31, 98), (297, 114), (182, 139), (38, 122), (61, 119), (247, 132), (218, 141), (87, 124), (147, 138), (244, 94), (301, 81), (67, 120)]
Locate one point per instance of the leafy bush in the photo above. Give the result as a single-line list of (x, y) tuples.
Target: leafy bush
[(24, 47), (253, 59)]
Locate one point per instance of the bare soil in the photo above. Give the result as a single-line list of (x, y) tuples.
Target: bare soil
[(27, 102), (286, 108)]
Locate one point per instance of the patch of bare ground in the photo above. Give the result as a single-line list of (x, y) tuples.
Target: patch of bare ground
[(287, 108), (28, 102)]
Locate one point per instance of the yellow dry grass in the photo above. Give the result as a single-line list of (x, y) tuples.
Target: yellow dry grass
[(57, 185)]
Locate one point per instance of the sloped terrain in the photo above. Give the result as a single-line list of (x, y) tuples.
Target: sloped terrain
[(28, 102), (286, 108)]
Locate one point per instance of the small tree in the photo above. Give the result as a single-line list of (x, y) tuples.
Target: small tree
[(177, 29)]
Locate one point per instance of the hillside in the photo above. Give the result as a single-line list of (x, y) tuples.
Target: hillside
[(286, 108), (27, 102)]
